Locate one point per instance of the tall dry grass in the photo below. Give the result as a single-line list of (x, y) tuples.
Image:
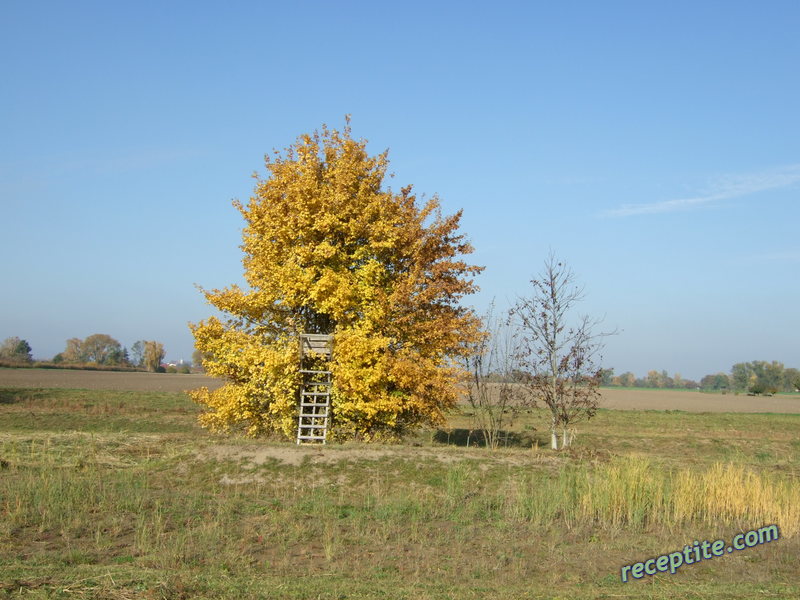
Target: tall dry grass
[(633, 491)]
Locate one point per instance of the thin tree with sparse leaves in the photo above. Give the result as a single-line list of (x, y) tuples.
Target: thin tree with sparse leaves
[(560, 351), (491, 388)]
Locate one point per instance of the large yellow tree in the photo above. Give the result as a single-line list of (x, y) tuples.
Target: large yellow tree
[(329, 249)]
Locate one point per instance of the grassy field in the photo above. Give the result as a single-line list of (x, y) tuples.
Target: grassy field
[(118, 494)]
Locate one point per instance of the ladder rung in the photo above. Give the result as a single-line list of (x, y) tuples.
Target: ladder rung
[(314, 396)]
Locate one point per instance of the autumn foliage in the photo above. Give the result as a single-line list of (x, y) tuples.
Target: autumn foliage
[(329, 250)]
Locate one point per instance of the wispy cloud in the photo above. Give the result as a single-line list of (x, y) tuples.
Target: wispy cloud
[(723, 188)]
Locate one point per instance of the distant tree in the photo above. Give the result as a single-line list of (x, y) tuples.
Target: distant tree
[(716, 381), (666, 381), (773, 377), (101, 349), (627, 379), (73, 353), (765, 377), (740, 376), (756, 385), (15, 349), (677, 380), (560, 352), (722, 382), (607, 376), (791, 379), (654, 379), (761, 377), (137, 353), (153, 355), (118, 356), (197, 360)]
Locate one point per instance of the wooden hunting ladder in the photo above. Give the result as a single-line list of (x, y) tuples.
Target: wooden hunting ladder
[(315, 391)]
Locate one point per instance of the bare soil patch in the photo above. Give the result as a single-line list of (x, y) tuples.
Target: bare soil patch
[(294, 455), (623, 399), (105, 380)]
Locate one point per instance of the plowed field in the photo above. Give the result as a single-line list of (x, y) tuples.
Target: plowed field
[(612, 398), (104, 380)]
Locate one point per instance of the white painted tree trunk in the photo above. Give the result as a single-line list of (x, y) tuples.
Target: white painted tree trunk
[(553, 435)]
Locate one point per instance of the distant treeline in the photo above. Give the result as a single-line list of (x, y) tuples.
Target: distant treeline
[(99, 352), (48, 364), (755, 377)]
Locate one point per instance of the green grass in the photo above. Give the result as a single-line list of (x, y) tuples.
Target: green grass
[(36, 410), (160, 509)]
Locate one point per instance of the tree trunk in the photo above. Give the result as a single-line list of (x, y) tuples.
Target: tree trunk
[(553, 435)]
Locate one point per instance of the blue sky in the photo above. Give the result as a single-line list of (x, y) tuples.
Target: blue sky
[(654, 146)]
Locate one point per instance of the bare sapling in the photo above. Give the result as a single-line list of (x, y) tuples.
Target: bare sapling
[(491, 389), (559, 351)]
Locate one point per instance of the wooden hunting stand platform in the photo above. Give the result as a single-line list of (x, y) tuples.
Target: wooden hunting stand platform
[(315, 391)]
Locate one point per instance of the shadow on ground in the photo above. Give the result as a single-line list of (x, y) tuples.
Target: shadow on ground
[(10, 396), (476, 437)]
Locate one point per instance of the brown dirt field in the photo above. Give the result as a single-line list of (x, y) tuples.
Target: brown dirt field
[(697, 401), (611, 398), (315, 455), (104, 380)]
